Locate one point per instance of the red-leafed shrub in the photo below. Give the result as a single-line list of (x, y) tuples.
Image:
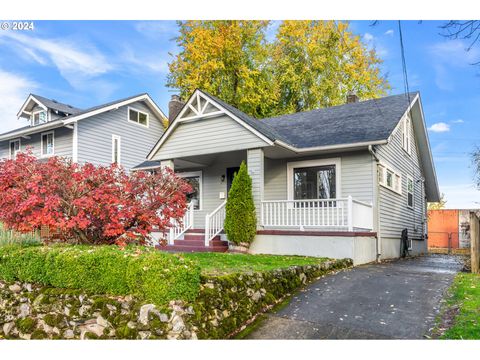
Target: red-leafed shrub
[(86, 203)]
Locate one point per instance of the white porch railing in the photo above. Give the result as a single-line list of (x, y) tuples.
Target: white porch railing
[(336, 214), (179, 228), (214, 223)]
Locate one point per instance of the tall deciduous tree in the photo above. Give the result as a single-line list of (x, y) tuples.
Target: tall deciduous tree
[(317, 63), (226, 58), (310, 64)]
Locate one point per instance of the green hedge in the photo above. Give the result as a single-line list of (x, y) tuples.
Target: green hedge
[(151, 275)]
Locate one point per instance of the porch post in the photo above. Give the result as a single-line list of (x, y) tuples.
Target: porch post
[(255, 165), (167, 163)]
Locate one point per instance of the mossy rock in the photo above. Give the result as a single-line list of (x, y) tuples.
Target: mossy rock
[(53, 319), (26, 325), (124, 332), (39, 335)]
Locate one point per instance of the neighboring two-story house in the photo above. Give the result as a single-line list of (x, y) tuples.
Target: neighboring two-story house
[(122, 131)]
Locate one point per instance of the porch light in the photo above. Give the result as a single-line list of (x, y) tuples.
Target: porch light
[(222, 178)]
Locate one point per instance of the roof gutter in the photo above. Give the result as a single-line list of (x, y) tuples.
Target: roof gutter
[(330, 147), (32, 130)]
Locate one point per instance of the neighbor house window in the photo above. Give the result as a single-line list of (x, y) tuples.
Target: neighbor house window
[(194, 178), (314, 179), (138, 116), (14, 148), (47, 144), (116, 149), (39, 117), (407, 142), (389, 178), (410, 191)]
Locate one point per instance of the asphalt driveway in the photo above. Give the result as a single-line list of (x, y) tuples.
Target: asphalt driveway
[(395, 300)]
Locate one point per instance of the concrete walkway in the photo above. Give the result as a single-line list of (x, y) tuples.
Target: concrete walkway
[(395, 300)]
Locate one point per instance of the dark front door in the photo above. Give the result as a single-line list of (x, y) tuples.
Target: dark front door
[(230, 175)]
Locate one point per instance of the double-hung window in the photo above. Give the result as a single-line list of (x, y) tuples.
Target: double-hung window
[(406, 140), (39, 117), (14, 148), (138, 117), (48, 144), (410, 192)]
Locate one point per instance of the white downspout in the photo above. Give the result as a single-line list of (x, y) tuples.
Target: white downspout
[(376, 195)]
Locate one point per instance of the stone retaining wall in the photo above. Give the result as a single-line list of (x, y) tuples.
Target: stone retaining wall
[(223, 305)]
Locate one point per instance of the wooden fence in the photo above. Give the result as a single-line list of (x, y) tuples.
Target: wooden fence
[(475, 242)]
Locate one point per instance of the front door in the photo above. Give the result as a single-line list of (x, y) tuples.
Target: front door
[(230, 175)]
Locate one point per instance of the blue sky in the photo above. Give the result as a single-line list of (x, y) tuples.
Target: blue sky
[(88, 63)]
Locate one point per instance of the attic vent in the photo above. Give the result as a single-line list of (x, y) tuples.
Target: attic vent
[(55, 101)]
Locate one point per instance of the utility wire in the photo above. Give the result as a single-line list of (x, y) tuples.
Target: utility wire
[(407, 93)]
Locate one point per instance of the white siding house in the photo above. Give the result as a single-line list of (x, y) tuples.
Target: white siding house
[(92, 135)]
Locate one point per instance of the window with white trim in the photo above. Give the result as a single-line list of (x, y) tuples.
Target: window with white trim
[(47, 144), (410, 192), (138, 116), (14, 148), (314, 179), (407, 141), (39, 117), (116, 149), (194, 178), (389, 178)]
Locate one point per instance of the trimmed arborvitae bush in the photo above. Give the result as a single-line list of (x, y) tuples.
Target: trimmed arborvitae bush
[(240, 219)]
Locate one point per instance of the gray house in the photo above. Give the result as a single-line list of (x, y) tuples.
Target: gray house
[(121, 131), (341, 182)]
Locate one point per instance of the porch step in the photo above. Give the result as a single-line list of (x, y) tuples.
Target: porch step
[(201, 242), (191, 248), (195, 231)]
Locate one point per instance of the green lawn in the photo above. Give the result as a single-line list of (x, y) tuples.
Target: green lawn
[(465, 294), (224, 263)]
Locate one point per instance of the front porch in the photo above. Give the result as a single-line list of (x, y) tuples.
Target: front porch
[(275, 194)]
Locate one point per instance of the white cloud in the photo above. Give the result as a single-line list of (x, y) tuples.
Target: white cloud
[(453, 53), (157, 63), (13, 92), (157, 29), (77, 62), (373, 44), (389, 32), (458, 121), (461, 196), (368, 37), (439, 127)]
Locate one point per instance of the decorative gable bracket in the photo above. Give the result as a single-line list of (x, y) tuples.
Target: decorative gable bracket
[(199, 106)]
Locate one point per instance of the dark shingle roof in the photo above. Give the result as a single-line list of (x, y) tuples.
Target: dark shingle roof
[(260, 126), (147, 164), (104, 105), (55, 105), (364, 121)]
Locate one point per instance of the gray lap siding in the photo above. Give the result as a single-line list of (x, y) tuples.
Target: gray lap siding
[(394, 214), (95, 137), (356, 176), (62, 143)]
